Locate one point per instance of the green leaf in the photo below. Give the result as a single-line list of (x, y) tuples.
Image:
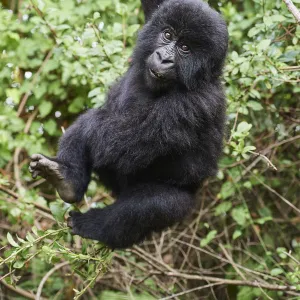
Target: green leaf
[(255, 105), (45, 108), (263, 220), (14, 94), (34, 230), (268, 20), (223, 208), (276, 271), (19, 264), (234, 55), (132, 29), (227, 190), (279, 18), (210, 236), (30, 238), (254, 31), (58, 210), (237, 233), (282, 252), (240, 215), (11, 240), (244, 127), (94, 92), (21, 240), (50, 126), (96, 15), (248, 148), (40, 91), (15, 212), (263, 45), (255, 94), (76, 106), (244, 67)]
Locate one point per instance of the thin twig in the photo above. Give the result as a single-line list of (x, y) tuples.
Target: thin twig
[(41, 14), (30, 120), (234, 126), (269, 163), (259, 273), (277, 194), (9, 192), (18, 290), (15, 196), (191, 290), (34, 80), (48, 274), (231, 261), (294, 138), (267, 286), (293, 9), (18, 151), (17, 169)]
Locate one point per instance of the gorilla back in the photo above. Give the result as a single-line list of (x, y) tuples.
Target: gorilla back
[(159, 134)]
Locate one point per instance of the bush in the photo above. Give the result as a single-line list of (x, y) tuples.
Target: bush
[(58, 58)]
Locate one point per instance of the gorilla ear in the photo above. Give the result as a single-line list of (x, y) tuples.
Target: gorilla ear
[(149, 6)]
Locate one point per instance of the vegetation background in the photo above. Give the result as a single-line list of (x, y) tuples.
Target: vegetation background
[(58, 58)]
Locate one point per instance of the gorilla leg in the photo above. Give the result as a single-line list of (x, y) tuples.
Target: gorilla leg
[(69, 172), (138, 211)]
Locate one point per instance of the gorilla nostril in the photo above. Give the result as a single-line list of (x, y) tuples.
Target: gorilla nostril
[(159, 55), (168, 62)]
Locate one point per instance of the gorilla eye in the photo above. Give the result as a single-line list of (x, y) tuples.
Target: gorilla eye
[(168, 35), (185, 48)]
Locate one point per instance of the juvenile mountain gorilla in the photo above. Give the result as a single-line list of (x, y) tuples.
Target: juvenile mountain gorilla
[(158, 135)]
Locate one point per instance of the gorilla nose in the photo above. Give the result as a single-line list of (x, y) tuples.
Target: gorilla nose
[(164, 60)]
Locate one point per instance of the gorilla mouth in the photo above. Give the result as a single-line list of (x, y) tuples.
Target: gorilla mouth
[(155, 74)]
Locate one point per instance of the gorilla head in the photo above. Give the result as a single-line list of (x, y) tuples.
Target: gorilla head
[(184, 43)]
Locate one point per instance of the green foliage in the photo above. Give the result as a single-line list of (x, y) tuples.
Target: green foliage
[(58, 58)]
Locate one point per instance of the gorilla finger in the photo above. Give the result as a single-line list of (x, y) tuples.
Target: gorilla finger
[(35, 174), (33, 164), (32, 170), (43, 165), (36, 157), (72, 213), (70, 222)]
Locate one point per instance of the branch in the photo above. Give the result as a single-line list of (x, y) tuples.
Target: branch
[(278, 195), (18, 290), (267, 286), (16, 197), (191, 290), (34, 81), (270, 164), (43, 281), (293, 9)]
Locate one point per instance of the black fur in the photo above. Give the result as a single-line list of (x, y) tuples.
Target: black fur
[(149, 6), (152, 144)]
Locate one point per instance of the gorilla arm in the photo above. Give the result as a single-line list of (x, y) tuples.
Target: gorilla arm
[(138, 211)]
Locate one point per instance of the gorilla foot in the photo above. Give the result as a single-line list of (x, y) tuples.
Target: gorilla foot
[(42, 166), (50, 170), (81, 225)]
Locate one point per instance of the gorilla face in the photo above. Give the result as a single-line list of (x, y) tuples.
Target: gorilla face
[(184, 44), (161, 64)]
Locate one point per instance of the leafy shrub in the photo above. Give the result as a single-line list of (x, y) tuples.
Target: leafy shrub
[(57, 59)]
